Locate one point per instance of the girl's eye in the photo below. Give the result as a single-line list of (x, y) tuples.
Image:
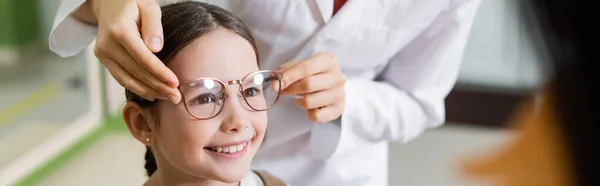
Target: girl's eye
[(251, 92), (205, 99)]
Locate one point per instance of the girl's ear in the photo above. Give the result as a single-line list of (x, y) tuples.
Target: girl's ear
[(138, 122)]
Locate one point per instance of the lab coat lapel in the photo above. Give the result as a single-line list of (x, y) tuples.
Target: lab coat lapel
[(369, 28), (325, 8), (331, 24)]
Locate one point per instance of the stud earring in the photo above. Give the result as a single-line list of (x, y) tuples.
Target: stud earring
[(147, 140)]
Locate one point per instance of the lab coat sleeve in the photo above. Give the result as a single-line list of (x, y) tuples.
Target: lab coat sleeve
[(69, 36), (408, 96)]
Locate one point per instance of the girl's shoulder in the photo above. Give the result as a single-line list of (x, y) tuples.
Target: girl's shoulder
[(262, 178), (268, 179)]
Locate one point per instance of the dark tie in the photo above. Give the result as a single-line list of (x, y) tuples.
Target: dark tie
[(337, 4)]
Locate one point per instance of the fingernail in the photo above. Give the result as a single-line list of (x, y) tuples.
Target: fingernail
[(282, 85), (298, 97), (174, 98), (173, 83), (154, 43)]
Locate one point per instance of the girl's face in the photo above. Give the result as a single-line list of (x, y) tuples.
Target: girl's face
[(185, 146)]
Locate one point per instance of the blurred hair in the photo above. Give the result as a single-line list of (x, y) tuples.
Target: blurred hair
[(564, 32), (183, 23)]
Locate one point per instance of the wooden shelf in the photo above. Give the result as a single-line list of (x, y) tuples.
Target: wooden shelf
[(481, 105)]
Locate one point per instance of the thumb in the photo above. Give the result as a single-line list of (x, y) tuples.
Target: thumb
[(151, 27)]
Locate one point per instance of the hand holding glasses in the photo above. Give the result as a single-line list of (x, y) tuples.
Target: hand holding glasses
[(204, 97)]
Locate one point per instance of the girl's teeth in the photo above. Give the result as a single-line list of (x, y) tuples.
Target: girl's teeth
[(230, 149)]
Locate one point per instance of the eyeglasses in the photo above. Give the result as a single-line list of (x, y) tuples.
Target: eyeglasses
[(204, 97)]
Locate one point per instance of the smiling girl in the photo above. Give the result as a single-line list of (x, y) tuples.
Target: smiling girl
[(212, 135)]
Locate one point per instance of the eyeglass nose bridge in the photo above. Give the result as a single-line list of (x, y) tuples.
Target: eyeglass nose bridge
[(233, 82)]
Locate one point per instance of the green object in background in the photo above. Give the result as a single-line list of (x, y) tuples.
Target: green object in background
[(113, 124), (19, 23)]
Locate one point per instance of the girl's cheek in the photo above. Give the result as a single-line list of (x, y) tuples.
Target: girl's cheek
[(262, 123)]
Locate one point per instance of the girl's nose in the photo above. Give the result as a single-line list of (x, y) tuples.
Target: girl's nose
[(236, 116)]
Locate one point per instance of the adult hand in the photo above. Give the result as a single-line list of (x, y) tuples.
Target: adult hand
[(127, 53), (318, 84)]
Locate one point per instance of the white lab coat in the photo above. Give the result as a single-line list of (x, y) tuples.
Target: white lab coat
[(401, 58)]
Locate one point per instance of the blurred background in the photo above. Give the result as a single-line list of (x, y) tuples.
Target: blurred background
[(60, 125)]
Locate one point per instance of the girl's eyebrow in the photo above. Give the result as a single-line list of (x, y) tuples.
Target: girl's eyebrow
[(191, 80)]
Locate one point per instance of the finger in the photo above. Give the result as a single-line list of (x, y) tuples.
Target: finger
[(120, 55), (325, 114), (151, 26), (135, 46), (319, 99), (276, 85), (315, 83), (128, 81), (287, 65), (314, 65)]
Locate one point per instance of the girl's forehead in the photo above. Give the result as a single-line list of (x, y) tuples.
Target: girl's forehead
[(220, 54)]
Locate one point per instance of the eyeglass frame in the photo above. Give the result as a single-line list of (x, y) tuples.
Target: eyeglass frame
[(233, 82)]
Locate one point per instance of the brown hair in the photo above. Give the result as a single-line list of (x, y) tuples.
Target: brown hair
[(183, 23), (563, 35)]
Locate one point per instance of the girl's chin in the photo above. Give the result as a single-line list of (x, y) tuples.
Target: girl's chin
[(230, 173), (233, 177)]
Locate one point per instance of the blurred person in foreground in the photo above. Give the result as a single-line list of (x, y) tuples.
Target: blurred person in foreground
[(557, 129)]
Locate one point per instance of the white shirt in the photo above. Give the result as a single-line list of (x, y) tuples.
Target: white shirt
[(251, 179), (401, 58)]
